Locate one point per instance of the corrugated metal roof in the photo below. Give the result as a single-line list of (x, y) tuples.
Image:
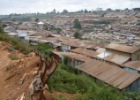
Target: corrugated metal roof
[(88, 53), (75, 42), (84, 52), (133, 64), (109, 73), (117, 59), (122, 48), (73, 56), (100, 50), (104, 54)]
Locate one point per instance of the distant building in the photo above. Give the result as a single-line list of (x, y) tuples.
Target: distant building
[(10, 31), (22, 34), (40, 25)]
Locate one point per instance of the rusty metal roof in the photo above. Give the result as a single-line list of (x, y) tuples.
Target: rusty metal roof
[(100, 50), (122, 48), (88, 53), (73, 56), (111, 74), (85, 52), (117, 59), (74, 42), (133, 64)]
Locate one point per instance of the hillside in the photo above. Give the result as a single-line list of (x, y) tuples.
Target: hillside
[(19, 66)]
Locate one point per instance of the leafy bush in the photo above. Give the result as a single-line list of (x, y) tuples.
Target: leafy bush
[(44, 49), (132, 95), (77, 35)]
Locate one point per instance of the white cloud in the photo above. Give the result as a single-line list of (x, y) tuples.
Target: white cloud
[(28, 6)]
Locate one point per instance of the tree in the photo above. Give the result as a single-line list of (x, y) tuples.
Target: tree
[(108, 9), (126, 9), (85, 11), (77, 35), (37, 20), (58, 30), (77, 24), (54, 11), (65, 11)]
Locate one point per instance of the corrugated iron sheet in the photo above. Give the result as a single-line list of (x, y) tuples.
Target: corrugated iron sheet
[(123, 48), (133, 64), (74, 42), (73, 56), (109, 73), (85, 52), (117, 59)]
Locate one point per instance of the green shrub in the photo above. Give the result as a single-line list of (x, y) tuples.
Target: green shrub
[(44, 49), (17, 44), (65, 80), (11, 48), (132, 95), (61, 98)]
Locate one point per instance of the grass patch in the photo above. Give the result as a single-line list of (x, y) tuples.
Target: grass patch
[(67, 79), (61, 98), (86, 89), (25, 48), (44, 49), (17, 44), (13, 57)]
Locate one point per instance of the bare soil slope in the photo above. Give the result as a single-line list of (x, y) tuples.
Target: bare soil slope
[(16, 73)]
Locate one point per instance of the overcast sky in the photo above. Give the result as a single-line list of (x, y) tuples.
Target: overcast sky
[(42, 6)]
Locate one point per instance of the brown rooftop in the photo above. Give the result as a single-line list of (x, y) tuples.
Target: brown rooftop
[(109, 73), (122, 48), (117, 58), (73, 56), (85, 52), (74, 42), (133, 64)]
